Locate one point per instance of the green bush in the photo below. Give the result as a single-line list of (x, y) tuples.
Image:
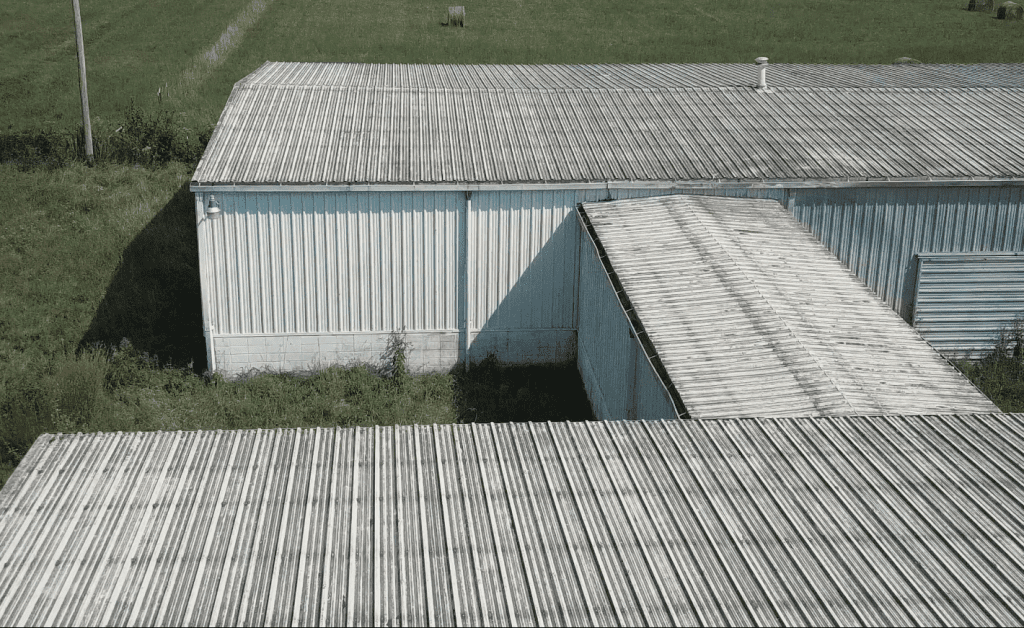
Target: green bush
[(127, 366), (1000, 373), (26, 411), (146, 138), (78, 387)]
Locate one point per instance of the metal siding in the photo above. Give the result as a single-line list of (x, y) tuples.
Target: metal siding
[(699, 122), (851, 520), (314, 262), (963, 300), (619, 381), (522, 260), (603, 343), (750, 315), (877, 232)]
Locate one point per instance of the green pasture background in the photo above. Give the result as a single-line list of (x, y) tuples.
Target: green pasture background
[(135, 47)]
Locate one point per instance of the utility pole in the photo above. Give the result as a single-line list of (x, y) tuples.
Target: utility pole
[(81, 80)]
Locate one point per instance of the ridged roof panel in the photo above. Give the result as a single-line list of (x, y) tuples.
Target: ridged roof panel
[(296, 123), (751, 314), (882, 520), (631, 77)]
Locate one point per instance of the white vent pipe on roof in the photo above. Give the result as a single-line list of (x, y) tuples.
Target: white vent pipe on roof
[(762, 65)]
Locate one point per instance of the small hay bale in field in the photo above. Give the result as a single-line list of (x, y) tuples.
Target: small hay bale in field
[(905, 60), (456, 16), (1010, 11), (985, 6)]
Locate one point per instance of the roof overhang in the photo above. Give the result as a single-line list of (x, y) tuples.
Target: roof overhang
[(200, 187)]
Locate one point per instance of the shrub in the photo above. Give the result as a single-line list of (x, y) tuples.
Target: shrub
[(26, 410), (78, 387), (127, 366), (1000, 373), (142, 137), (393, 359)]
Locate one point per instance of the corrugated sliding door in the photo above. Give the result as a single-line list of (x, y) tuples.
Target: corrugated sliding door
[(964, 299), (335, 262)]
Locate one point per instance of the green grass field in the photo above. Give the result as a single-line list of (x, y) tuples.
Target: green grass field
[(94, 255), (135, 48)]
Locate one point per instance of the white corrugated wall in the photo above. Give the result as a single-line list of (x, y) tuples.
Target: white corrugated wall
[(618, 378), (278, 265), (963, 301), (522, 260), (285, 263), (877, 232)]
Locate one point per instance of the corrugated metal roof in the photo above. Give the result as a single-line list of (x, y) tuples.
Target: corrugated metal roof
[(847, 520), (378, 124), (605, 77), (751, 315), (963, 300)]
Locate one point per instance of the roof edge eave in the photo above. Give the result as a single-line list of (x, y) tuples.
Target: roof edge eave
[(704, 184)]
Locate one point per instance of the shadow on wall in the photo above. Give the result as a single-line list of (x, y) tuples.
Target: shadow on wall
[(153, 299), (535, 320)]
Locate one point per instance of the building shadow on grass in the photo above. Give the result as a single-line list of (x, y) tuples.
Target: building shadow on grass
[(153, 299), (493, 391)]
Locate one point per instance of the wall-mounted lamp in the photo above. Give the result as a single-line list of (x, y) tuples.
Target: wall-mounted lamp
[(212, 207)]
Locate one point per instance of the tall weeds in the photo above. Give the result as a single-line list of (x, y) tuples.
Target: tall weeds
[(153, 137), (1000, 373)]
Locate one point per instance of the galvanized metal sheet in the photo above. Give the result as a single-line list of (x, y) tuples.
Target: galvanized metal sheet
[(522, 259), (623, 76), (752, 316), (620, 382), (314, 262), (964, 300), (877, 232), (881, 520), (365, 124)]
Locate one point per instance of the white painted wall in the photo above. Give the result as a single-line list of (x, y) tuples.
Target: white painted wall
[(620, 382)]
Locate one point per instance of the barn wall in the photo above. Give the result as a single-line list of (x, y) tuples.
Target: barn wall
[(619, 380), (347, 268), (964, 300), (298, 278), (330, 263), (878, 231), (521, 275)]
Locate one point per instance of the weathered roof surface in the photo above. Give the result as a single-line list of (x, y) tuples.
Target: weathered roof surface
[(344, 124), (610, 77), (751, 315), (847, 520)]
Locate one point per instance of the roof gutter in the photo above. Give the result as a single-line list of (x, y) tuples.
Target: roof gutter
[(703, 184)]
